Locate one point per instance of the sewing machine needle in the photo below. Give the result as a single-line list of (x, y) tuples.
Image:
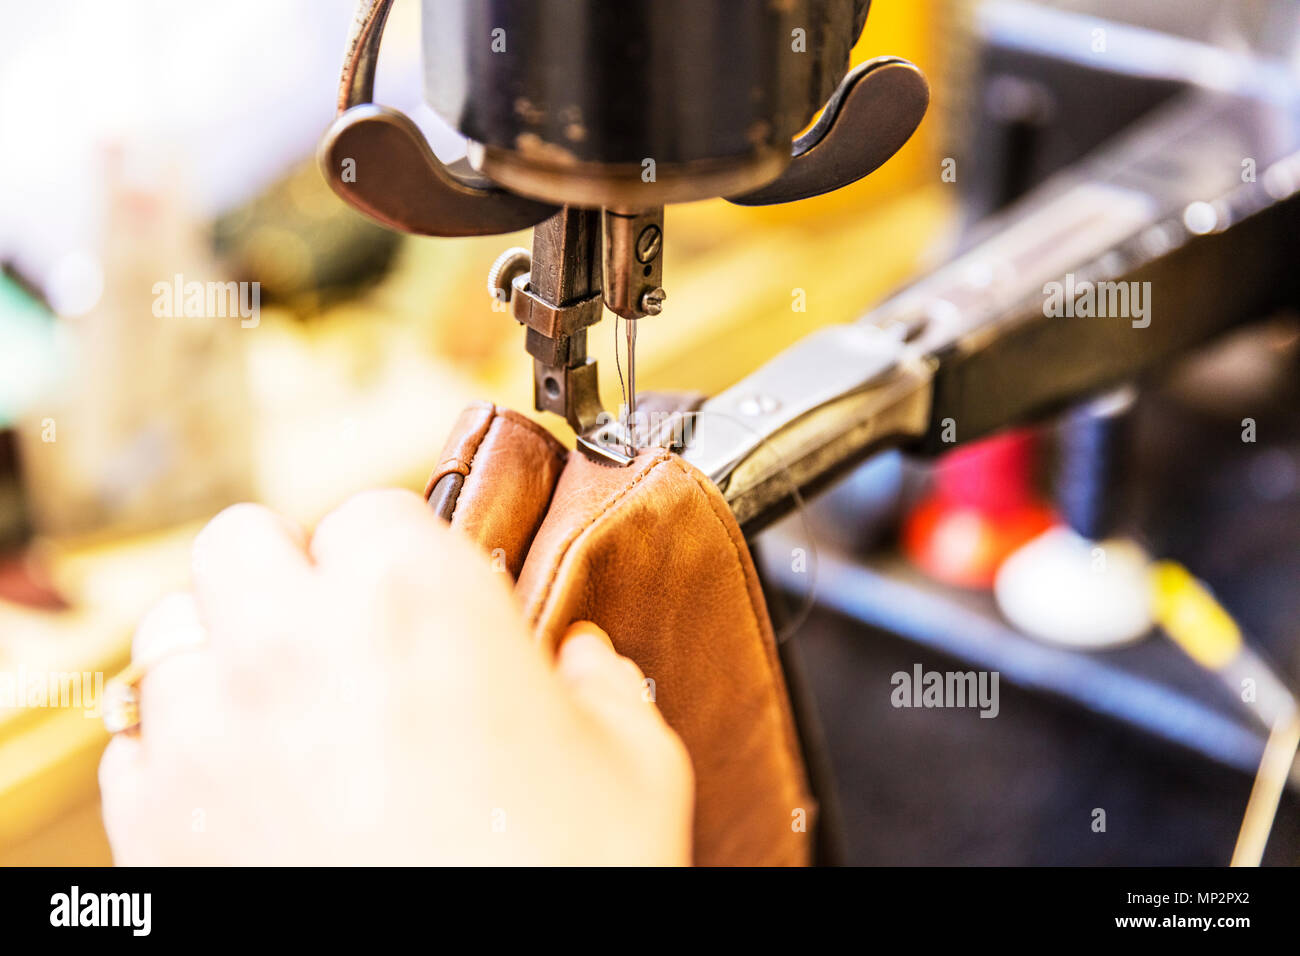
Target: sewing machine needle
[(631, 383)]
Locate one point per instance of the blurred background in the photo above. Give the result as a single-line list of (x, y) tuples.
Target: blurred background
[(145, 144)]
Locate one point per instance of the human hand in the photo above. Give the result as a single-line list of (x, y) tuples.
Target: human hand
[(372, 695)]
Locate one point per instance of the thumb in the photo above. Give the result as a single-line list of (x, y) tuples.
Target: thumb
[(602, 679), (619, 699)]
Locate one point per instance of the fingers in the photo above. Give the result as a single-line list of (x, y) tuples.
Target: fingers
[(245, 562), (378, 522), (586, 652), (613, 691), (584, 631), (178, 690), (121, 794), (172, 625), (176, 685), (390, 549), (604, 681)]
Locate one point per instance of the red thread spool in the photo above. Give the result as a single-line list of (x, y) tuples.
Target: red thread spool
[(983, 507)]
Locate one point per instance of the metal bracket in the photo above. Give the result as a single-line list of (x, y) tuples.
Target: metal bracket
[(379, 162), (874, 111), (546, 318), (817, 407)]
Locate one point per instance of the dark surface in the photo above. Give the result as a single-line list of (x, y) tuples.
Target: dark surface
[(678, 80), (945, 786)]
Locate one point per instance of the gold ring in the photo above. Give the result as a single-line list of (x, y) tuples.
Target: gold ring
[(122, 700), (122, 693)]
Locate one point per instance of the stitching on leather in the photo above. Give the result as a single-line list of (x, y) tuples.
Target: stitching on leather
[(787, 719), (740, 561), (789, 734), (545, 599)]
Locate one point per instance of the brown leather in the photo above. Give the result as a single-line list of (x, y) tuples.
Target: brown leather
[(509, 465), (651, 553)]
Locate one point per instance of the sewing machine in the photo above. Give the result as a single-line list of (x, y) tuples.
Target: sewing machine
[(585, 120), (1150, 153), (1149, 227)]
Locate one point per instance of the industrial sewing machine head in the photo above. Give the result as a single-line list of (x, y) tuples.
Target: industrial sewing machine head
[(584, 118)]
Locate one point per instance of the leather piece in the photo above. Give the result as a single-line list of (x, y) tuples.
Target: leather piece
[(510, 466), (466, 435), (652, 554)]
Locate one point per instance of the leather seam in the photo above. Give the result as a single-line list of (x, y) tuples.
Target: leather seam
[(734, 547), (493, 415), (788, 730), (547, 591), (788, 734), (510, 420), (464, 465)]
